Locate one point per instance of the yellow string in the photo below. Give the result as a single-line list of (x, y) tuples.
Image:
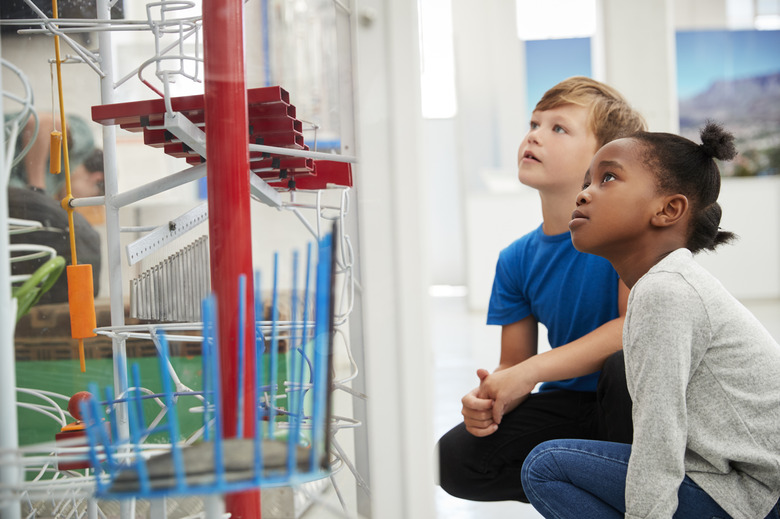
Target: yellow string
[(69, 194)]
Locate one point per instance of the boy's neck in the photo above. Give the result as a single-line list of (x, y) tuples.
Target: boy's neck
[(556, 211)]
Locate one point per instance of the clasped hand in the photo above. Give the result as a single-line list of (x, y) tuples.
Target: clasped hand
[(498, 393)]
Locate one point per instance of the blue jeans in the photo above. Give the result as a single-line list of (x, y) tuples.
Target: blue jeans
[(587, 479)]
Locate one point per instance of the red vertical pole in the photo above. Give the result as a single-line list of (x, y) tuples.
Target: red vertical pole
[(227, 151)]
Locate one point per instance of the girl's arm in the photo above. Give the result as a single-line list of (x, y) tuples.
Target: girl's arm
[(663, 332)]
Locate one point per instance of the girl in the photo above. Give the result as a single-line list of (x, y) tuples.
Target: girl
[(703, 374)]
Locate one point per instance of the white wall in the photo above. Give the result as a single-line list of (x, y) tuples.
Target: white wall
[(395, 270), (636, 54), (750, 267), (443, 190)]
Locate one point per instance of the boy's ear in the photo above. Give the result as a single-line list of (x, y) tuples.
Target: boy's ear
[(673, 209)]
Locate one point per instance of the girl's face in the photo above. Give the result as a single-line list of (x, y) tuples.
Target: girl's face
[(617, 203)]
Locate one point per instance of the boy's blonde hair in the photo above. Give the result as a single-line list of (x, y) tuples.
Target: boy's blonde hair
[(610, 116)]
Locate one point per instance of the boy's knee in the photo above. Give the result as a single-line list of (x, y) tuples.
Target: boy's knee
[(457, 474), (614, 367), (614, 401), (449, 465)]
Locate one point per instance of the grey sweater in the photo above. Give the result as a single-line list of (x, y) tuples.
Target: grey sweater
[(704, 376)]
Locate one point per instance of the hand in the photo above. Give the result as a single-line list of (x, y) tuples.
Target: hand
[(477, 412), (506, 388)]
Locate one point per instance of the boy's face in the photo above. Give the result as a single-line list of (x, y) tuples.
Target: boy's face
[(557, 149), (617, 202), (84, 183)]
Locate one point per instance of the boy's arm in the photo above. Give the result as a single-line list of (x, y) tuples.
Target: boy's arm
[(575, 359), (518, 343), (584, 355), (36, 158)]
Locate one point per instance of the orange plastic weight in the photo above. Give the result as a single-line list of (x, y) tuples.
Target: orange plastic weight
[(82, 305), (55, 149), (82, 302)]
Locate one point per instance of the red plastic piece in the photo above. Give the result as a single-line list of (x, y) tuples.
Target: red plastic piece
[(270, 120), (326, 173), (130, 113), (74, 430)]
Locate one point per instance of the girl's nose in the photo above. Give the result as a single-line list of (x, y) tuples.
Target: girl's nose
[(583, 197)]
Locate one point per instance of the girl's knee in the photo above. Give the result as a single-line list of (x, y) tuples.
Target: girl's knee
[(541, 465)]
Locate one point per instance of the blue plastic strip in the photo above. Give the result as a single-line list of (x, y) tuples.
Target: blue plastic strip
[(300, 409), (114, 423), (135, 423), (171, 418), (259, 349), (91, 413), (205, 357), (321, 344), (274, 363), (241, 355), (306, 305), (292, 394), (296, 405), (219, 462)]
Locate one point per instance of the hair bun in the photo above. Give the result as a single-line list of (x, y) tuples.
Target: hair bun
[(717, 142)]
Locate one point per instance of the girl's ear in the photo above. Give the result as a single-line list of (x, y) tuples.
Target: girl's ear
[(673, 209)]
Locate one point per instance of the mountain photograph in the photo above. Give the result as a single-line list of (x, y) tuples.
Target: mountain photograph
[(733, 77)]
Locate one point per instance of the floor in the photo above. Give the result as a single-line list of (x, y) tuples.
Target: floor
[(462, 343)]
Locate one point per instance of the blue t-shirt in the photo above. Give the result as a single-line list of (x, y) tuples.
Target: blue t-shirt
[(569, 292)]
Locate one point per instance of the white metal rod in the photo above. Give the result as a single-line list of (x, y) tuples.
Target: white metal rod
[(114, 246), (88, 57), (87, 201), (10, 475), (158, 186), (215, 506), (292, 152)]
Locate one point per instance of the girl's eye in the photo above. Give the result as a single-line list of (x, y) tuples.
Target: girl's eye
[(585, 186), (608, 177), (559, 129)]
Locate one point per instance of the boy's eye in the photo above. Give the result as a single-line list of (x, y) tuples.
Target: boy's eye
[(534, 125), (559, 129)]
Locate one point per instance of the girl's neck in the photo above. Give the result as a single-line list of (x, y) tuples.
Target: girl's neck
[(635, 262)]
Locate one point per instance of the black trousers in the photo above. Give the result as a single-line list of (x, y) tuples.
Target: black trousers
[(488, 468)]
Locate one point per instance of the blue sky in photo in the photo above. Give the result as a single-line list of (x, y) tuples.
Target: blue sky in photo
[(548, 62), (702, 58), (707, 56)]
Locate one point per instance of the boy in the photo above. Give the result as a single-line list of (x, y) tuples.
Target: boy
[(541, 278)]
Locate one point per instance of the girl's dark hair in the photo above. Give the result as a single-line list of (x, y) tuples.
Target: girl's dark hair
[(685, 167)]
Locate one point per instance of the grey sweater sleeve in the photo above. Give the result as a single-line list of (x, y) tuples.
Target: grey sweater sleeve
[(665, 327)]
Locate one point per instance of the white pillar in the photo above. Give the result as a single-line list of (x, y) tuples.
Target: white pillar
[(634, 51), (392, 253), (113, 245), (490, 86), (10, 471)]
